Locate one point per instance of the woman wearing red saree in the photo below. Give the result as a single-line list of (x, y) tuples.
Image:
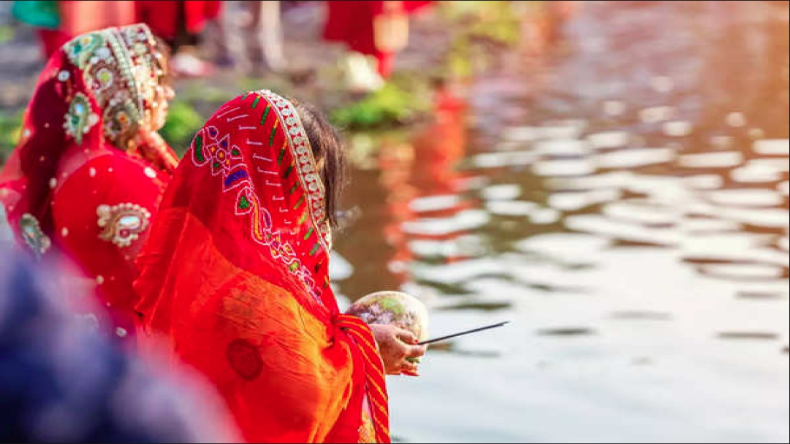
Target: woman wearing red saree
[(90, 169), (234, 280)]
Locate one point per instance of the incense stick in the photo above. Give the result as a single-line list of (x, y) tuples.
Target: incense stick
[(474, 330)]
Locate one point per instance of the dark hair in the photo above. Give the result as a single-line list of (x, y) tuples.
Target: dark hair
[(330, 157)]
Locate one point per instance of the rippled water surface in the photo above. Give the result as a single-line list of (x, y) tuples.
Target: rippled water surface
[(621, 195)]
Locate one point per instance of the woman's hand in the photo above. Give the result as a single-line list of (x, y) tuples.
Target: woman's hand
[(149, 138), (396, 347)]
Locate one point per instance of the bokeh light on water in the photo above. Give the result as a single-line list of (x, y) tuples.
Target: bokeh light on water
[(619, 191)]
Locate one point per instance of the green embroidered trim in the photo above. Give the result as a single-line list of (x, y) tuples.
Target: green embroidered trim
[(293, 188), (281, 156), (299, 202), (255, 102), (309, 233), (80, 49), (266, 114), (315, 249), (288, 172), (199, 149), (271, 138), (302, 218)]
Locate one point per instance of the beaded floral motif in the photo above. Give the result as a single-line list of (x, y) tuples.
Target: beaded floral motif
[(122, 69), (34, 237), (119, 120), (79, 118), (80, 50), (122, 224)]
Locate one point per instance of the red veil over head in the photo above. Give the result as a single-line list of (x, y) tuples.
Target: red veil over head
[(82, 178), (235, 279), (93, 95)]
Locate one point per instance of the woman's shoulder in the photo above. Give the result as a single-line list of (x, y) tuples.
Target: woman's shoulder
[(104, 164), (111, 197), (116, 165)]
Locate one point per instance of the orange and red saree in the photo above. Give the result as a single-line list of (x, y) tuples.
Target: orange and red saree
[(234, 280)]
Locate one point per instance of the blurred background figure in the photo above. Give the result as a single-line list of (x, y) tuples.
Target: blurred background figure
[(261, 42), (61, 383), (379, 29), (45, 17), (180, 23), (59, 21), (542, 27)]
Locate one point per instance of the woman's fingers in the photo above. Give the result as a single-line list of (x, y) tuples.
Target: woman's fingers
[(406, 336), (398, 349), (408, 367), (411, 350), (415, 351)]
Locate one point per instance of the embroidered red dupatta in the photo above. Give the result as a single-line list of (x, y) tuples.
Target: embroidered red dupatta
[(72, 182), (234, 280)]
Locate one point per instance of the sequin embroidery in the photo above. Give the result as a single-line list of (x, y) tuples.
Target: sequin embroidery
[(34, 237), (80, 118), (122, 224)]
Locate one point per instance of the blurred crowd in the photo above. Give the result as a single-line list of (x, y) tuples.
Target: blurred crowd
[(373, 31)]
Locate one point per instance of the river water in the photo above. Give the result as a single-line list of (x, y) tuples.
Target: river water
[(619, 191)]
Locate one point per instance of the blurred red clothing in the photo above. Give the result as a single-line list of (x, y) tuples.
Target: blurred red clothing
[(163, 16), (52, 40), (79, 17), (351, 22)]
